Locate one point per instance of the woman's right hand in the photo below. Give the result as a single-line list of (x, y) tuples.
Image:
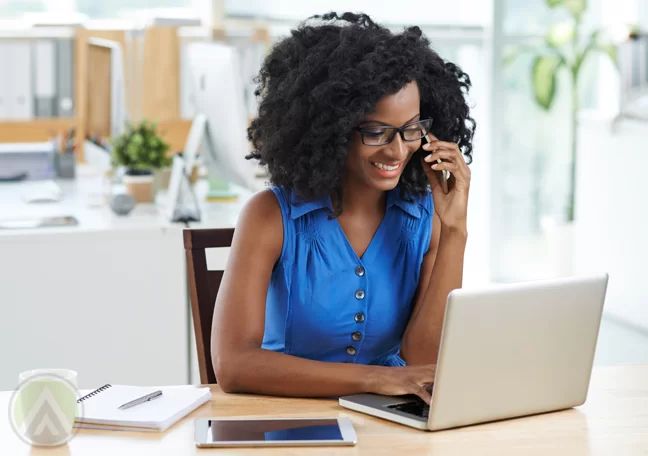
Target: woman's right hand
[(396, 381)]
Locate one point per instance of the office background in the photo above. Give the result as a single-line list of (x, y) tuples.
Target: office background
[(83, 296)]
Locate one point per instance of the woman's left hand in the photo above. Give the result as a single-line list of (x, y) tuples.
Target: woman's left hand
[(451, 207)]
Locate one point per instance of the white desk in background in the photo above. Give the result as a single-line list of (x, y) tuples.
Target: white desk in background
[(106, 297)]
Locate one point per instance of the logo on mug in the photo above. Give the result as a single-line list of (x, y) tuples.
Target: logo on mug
[(43, 409)]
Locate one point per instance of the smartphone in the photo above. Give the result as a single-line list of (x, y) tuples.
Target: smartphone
[(441, 175), (259, 432)]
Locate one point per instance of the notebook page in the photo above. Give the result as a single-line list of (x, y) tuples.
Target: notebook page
[(175, 400)]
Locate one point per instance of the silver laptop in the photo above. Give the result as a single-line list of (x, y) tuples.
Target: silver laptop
[(508, 350)]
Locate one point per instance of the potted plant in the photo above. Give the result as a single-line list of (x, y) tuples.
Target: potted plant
[(565, 48), (141, 151)]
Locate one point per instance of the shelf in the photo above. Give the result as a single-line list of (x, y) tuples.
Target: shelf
[(36, 130)]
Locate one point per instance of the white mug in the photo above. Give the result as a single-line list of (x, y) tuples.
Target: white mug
[(45, 406), (66, 374)]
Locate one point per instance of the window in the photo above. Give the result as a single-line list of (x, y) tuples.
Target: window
[(10, 9), (95, 9), (114, 8), (420, 12)]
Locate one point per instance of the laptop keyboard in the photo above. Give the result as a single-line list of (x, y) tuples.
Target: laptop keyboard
[(417, 408)]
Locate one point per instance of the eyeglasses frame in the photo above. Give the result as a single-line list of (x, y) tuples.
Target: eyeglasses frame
[(398, 130)]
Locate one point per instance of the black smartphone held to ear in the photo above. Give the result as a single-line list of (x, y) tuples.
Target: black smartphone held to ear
[(442, 175)]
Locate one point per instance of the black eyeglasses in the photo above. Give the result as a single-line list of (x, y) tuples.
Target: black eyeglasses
[(379, 135)]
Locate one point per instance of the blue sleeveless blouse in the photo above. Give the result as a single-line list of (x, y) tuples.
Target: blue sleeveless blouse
[(324, 303)]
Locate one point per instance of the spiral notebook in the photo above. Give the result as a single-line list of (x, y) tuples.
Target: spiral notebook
[(100, 407)]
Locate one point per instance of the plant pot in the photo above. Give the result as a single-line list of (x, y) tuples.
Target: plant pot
[(140, 185)]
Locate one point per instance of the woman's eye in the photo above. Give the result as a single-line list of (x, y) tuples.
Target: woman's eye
[(374, 133)]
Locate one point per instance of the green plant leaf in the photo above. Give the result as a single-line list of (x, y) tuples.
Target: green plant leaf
[(544, 79), (606, 48), (575, 7), (554, 3), (140, 147), (561, 33), (511, 53)]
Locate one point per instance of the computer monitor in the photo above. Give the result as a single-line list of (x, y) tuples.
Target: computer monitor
[(118, 111), (181, 201), (219, 96)]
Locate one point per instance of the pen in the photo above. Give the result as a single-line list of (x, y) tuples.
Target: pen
[(148, 397)]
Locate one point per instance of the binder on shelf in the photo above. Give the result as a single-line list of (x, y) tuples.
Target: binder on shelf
[(4, 84), (44, 78), (65, 78), (20, 80)]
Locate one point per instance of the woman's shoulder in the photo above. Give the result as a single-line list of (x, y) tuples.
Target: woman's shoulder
[(273, 200), (262, 209)]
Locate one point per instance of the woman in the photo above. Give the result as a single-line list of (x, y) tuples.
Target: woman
[(338, 274)]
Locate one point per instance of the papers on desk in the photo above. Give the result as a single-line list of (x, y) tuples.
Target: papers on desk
[(41, 222), (101, 407), (46, 191)]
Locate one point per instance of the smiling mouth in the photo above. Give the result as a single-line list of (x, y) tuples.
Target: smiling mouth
[(385, 167)]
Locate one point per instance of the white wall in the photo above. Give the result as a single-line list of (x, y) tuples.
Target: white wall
[(611, 232)]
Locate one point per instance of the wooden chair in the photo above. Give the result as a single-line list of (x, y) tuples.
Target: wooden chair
[(203, 288)]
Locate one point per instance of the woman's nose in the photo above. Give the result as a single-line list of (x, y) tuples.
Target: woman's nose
[(399, 148)]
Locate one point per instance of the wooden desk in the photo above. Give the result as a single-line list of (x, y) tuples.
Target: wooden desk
[(614, 420)]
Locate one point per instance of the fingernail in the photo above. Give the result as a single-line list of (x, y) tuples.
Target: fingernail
[(428, 158), (426, 146), (435, 166)]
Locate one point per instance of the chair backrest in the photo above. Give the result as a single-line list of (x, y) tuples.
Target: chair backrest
[(203, 288)]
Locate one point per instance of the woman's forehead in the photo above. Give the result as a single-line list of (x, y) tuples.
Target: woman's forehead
[(399, 107)]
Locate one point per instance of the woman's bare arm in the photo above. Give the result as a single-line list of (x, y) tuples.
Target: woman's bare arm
[(441, 272)]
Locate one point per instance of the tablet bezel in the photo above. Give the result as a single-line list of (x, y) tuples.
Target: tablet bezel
[(347, 430)]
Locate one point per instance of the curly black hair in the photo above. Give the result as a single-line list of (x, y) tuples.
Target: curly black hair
[(317, 84)]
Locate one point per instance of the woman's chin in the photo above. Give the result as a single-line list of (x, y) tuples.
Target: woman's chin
[(384, 184)]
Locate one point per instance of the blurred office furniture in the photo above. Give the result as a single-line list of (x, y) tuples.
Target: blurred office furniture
[(83, 296), (610, 231), (27, 161), (106, 297), (40, 84), (151, 68), (37, 95), (219, 97), (633, 69), (203, 288), (252, 44), (106, 88), (48, 90)]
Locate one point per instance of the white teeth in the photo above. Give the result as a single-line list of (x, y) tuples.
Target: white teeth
[(385, 167)]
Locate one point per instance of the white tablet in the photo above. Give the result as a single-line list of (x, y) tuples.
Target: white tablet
[(229, 432)]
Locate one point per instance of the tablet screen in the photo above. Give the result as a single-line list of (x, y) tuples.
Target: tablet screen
[(271, 430)]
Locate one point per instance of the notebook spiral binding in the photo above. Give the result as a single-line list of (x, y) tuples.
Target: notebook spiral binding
[(94, 393)]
